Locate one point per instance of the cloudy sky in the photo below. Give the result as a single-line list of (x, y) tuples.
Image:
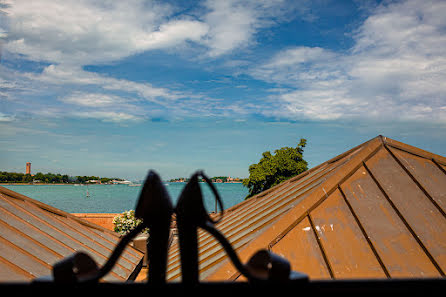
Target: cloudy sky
[(113, 88)]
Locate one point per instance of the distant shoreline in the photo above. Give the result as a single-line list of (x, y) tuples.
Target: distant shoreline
[(63, 184), (31, 184), (183, 182), (46, 184)]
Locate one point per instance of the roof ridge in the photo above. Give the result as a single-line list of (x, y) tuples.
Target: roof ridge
[(414, 150)]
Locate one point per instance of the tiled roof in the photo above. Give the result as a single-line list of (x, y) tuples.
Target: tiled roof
[(34, 236), (375, 211)]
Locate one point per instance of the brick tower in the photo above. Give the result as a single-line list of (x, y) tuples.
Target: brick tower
[(28, 167)]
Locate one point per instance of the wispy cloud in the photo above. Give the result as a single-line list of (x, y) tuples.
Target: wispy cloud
[(395, 70), (233, 24), (68, 35), (5, 117), (85, 32), (89, 32), (66, 75), (107, 116), (92, 99)]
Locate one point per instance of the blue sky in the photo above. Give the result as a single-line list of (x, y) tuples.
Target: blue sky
[(114, 88)]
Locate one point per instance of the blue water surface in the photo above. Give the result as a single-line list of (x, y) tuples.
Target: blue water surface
[(118, 198)]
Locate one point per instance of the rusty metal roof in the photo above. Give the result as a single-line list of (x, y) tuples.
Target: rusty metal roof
[(34, 236), (375, 211)]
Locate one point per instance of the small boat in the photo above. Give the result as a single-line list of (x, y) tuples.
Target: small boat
[(88, 194)]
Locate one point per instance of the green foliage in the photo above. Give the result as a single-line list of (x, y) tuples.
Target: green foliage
[(14, 177), (274, 169)]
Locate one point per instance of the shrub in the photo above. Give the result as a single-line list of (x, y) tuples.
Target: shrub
[(126, 221)]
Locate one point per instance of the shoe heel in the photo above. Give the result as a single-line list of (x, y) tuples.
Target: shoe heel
[(189, 210), (155, 209), (188, 239), (157, 248)]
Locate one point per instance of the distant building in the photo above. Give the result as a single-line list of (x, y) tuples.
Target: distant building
[(28, 167), (121, 182), (93, 181)]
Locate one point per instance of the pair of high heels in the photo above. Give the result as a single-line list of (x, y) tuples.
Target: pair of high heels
[(155, 209)]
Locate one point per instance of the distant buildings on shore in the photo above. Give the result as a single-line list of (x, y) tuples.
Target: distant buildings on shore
[(216, 179), (52, 178), (110, 182)]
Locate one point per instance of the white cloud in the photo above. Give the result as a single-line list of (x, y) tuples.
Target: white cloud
[(395, 70), (233, 24), (71, 34), (300, 65), (6, 118), (92, 99), (105, 107), (174, 32), (108, 116), (87, 32), (65, 76)]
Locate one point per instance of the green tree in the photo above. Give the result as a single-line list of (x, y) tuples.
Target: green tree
[(65, 178), (39, 176), (274, 169)]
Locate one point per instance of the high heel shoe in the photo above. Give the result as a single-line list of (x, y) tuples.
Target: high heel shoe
[(191, 214), (155, 209)]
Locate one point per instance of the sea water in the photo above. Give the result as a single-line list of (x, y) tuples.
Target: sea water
[(118, 198)]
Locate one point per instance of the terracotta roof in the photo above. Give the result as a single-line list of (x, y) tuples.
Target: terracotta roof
[(34, 236), (375, 211)]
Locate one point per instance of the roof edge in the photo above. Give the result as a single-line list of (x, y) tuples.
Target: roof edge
[(413, 150), (54, 210)]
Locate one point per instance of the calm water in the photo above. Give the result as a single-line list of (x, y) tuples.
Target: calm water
[(117, 198)]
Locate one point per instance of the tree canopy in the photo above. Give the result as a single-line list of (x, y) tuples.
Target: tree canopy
[(274, 169), (14, 177)]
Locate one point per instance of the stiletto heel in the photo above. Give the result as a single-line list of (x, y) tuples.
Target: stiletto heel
[(155, 209), (191, 214)]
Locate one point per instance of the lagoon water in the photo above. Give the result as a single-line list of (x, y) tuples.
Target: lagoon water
[(118, 198)]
